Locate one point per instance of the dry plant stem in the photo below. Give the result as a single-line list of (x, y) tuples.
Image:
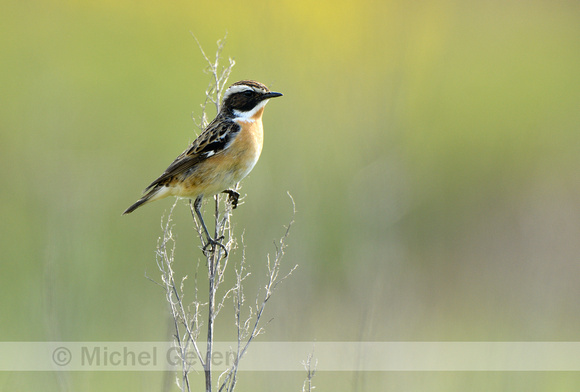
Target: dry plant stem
[(187, 315), (311, 371), (216, 87), (248, 329), (187, 323), (212, 264), (165, 259), (214, 253), (216, 257)]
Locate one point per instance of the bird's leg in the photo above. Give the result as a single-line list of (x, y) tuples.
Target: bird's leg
[(233, 197), (210, 241)]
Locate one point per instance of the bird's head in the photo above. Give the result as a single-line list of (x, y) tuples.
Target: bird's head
[(244, 99)]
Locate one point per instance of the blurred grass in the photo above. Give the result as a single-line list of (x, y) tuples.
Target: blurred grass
[(432, 149)]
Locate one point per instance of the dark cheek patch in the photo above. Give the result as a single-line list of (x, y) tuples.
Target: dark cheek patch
[(242, 103)]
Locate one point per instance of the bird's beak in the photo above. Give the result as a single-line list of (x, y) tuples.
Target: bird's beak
[(271, 94)]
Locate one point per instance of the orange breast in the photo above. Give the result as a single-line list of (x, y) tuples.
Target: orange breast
[(227, 167)]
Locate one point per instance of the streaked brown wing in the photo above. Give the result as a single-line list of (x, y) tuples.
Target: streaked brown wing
[(216, 137)]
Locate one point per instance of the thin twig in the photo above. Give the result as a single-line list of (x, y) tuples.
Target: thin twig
[(310, 368)]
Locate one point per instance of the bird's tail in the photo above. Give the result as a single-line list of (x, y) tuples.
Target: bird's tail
[(158, 192)]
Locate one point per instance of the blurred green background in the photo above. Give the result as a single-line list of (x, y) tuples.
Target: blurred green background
[(432, 149)]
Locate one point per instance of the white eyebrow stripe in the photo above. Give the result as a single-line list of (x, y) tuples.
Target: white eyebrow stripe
[(241, 88)]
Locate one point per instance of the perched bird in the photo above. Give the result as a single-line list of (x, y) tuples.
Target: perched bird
[(223, 154)]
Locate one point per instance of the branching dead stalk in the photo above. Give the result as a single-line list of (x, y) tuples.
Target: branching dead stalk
[(216, 88), (249, 327), (310, 367), (189, 314)]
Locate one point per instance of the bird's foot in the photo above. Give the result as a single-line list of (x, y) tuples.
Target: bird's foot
[(233, 197), (214, 243)]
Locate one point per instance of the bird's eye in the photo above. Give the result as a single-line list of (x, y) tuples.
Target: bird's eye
[(248, 93)]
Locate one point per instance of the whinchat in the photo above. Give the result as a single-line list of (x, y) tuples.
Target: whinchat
[(223, 154)]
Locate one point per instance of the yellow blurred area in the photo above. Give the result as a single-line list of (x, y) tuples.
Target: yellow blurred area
[(432, 149)]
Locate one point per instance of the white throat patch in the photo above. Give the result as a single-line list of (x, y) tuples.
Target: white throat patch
[(247, 116)]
